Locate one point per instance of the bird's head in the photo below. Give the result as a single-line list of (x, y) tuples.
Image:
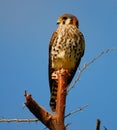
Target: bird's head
[(67, 19)]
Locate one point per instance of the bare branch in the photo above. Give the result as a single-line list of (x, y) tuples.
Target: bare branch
[(87, 64), (77, 110), (18, 120), (98, 124), (52, 121)]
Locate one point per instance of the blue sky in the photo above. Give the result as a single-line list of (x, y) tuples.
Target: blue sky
[(25, 30)]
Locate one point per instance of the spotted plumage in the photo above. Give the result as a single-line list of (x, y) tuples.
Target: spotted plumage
[(65, 51)]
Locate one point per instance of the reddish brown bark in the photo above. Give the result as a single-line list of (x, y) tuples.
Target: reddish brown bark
[(38, 111), (61, 100), (52, 121)]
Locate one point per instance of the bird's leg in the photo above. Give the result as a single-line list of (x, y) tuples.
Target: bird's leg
[(55, 75)]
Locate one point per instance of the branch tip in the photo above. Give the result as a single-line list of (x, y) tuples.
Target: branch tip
[(98, 124), (77, 110), (25, 93)]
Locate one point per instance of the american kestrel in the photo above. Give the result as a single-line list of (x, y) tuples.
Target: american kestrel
[(65, 51)]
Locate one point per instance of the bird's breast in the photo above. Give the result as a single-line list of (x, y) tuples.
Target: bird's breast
[(65, 55), (66, 49)]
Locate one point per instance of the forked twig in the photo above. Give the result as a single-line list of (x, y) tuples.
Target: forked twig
[(87, 64)]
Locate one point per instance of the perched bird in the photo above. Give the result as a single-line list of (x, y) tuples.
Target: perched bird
[(65, 51)]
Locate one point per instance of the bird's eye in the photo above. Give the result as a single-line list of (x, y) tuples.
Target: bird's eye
[(64, 18)]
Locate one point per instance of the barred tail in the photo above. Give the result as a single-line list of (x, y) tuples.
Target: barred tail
[(53, 97)]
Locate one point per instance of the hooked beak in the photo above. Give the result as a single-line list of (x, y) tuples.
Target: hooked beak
[(59, 20)]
